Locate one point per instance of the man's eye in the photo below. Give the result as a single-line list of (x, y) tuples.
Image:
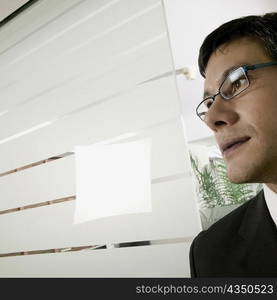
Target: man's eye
[(238, 84), (208, 103)]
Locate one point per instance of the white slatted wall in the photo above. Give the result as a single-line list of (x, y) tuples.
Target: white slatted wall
[(79, 72)]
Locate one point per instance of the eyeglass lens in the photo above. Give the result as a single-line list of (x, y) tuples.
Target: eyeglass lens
[(234, 84)]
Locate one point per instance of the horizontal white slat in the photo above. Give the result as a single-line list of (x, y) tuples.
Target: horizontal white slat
[(77, 31), (59, 17), (144, 106), (57, 179), (8, 7), (169, 260), (27, 21), (50, 104), (55, 63), (174, 215)]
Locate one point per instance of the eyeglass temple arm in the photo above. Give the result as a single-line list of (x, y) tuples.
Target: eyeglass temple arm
[(258, 66)]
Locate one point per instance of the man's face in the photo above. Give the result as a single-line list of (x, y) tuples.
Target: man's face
[(249, 118)]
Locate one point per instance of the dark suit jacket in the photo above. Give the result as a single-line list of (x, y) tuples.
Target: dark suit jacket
[(241, 244)]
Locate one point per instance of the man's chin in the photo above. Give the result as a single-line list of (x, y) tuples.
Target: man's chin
[(233, 179), (236, 180), (238, 176)]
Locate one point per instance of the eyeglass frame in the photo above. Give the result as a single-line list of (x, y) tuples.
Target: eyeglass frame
[(245, 69)]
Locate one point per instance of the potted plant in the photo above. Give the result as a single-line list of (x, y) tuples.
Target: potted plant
[(217, 195)]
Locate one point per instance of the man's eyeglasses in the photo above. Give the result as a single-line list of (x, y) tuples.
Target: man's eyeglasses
[(234, 83)]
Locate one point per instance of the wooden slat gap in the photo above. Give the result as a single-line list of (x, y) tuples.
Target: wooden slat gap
[(38, 163), (56, 250), (96, 247), (11, 210)]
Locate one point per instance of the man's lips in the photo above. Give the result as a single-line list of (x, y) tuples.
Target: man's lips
[(228, 144)]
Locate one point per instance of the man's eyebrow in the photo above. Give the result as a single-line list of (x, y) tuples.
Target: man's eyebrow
[(227, 72), (222, 77)]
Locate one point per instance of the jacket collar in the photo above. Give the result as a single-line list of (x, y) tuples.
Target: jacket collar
[(257, 221)]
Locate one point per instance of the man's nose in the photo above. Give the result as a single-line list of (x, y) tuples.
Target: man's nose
[(221, 113)]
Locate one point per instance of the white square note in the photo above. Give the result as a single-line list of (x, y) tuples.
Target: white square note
[(113, 179)]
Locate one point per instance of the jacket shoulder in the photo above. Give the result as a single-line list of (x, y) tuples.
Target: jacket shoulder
[(225, 227), (211, 249)]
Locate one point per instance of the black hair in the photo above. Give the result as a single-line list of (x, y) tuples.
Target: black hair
[(262, 27)]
